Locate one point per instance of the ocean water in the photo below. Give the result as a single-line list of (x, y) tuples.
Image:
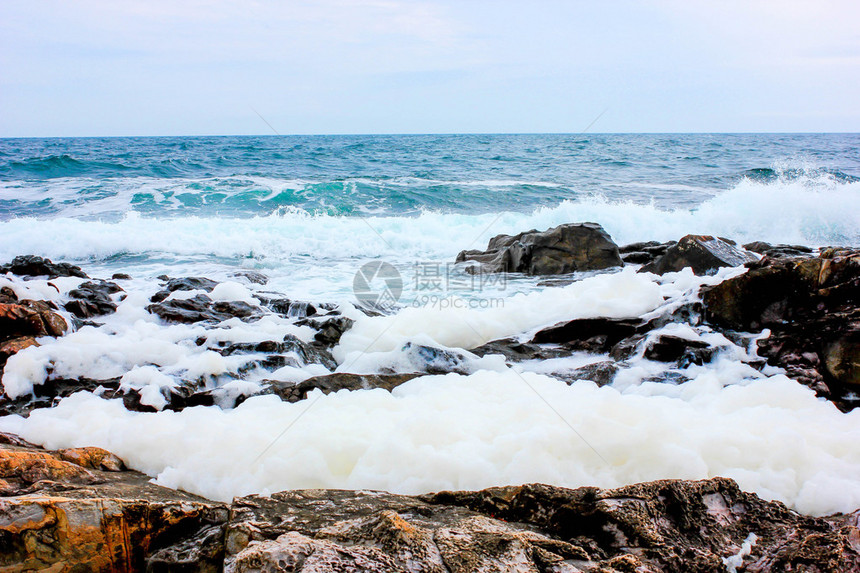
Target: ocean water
[(310, 212)]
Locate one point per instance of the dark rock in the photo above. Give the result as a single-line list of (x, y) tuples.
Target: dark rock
[(27, 319), (92, 299), (184, 284), (703, 253), (200, 308), (252, 277), (7, 295), (775, 251), (626, 348), (432, 360), (637, 258), (33, 266), (560, 250), (331, 329), (669, 348), (289, 308), (642, 253), (811, 306), (601, 373), (516, 351), (592, 334), (290, 392), (120, 277)]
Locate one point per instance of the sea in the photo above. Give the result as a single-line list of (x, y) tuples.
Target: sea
[(319, 216)]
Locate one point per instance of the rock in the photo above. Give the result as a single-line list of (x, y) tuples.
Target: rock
[(669, 348), (811, 306), (667, 525), (775, 251), (289, 308), (200, 308), (80, 510), (432, 360), (642, 253), (299, 353), (329, 329), (592, 334), (290, 392), (30, 318), (186, 283), (703, 253), (33, 266), (516, 351), (120, 277), (92, 299), (563, 249), (601, 373), (252, 277)]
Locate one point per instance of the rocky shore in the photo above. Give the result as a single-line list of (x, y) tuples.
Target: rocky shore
[(82, 509)]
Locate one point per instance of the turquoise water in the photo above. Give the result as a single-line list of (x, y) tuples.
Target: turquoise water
[(309, 209)]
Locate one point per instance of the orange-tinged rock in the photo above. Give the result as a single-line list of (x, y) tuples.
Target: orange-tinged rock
[(92, 458)]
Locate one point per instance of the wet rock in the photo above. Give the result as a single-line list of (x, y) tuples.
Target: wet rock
[(33, 266), (810, 304), (80, 510), (183, 284), (289, 308), (517, 351), (642, 253), (329, 329), (775, 251), (669, 348), (703, 253), (252, 277), (592, 334), (22, 322), (120, 277), (433, 360), (200, 308), (52, 390), (560, 250), (601, 373), (290, 392), (92, 299)]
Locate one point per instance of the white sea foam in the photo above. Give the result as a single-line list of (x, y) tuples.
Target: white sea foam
[(489, 428)]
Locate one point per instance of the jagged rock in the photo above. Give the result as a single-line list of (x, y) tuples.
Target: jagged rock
[(329, 329), (661, 526), (289, 308), (669, 348), (642, 253), (185, 283), (21, 322), (703, 253), (80, 510), (775, 251), (92, 299), (290, 392), (252, 277), (517, 351), (592, 334), (200, 308), (811, 306), (33, 266), (560, 250), (601, 373)]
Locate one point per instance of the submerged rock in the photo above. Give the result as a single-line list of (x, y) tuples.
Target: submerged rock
[(703, 253), (560, 250), (34, 266)]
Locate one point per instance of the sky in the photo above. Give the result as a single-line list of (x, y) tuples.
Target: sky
[(211, 67)]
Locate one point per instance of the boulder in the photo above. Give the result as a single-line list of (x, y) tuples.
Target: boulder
[(810, 304), (92, 298), (592, 334), (79, 509), (200, 308), (33, 266), (560, 250), (670, 348), (775, 251), (515, 350), (703, 253), (645, 252), (183, 284), (660, 526)]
